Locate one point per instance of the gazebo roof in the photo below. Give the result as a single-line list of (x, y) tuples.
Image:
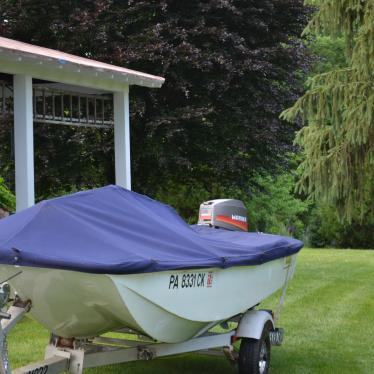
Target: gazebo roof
[(22, 58)]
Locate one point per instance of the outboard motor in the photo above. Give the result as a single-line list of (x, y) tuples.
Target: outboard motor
[(228, 214)]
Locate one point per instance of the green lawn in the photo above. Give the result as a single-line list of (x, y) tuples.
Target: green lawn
[(328, 316)]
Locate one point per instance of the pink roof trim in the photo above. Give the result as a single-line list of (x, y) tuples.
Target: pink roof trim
[(16, 46)]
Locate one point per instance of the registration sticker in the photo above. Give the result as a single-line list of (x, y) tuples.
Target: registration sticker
[(191, 280)]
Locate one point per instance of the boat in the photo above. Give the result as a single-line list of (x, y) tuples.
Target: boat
[(109, 259)]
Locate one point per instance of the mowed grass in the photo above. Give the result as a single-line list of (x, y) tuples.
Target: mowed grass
[(328, 316)]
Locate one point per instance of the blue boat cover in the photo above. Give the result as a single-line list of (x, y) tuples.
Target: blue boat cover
[(115, 231)]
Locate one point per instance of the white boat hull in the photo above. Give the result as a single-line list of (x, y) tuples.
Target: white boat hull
[(170, 306)]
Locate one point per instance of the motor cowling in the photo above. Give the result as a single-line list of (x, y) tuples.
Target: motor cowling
[(229, 214)]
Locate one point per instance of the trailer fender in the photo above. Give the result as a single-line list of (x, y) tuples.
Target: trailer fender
[(252, 323)]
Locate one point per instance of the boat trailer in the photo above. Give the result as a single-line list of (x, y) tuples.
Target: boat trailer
[(74, 355)]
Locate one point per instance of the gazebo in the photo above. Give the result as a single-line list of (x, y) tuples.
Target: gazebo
[(50, 86)]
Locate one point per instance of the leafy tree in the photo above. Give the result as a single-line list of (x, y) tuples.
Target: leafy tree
[(339, 110), (229, 68), (329, 54), (274, 208)]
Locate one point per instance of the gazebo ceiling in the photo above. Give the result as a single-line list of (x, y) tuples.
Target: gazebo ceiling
[(52, 65)]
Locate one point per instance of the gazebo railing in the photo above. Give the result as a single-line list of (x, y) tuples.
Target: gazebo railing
[(60, 107), (71, 108)]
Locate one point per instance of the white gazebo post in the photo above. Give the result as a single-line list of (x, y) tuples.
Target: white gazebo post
[(23, 141), (122, 138)]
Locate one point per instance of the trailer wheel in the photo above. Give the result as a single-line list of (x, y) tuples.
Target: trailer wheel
[(254, 355)]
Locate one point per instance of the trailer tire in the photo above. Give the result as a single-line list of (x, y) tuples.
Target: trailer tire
[(254, 354)]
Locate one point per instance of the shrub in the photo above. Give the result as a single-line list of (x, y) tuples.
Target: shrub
[(272, 206), (7, 198), (186, 198), (326, 230)]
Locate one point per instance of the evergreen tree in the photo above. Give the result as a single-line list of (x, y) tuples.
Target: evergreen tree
[(338, 108)]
